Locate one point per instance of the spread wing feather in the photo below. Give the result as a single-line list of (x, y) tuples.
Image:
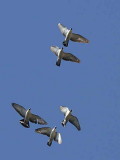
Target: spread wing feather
[(75, 122), (78, 38), (20, 109), (70, 57), (64, 109), (36, 119), (58, 138), (64, 30), (45, 131)]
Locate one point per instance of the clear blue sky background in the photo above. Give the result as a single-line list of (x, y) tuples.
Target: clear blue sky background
[(29, 76)]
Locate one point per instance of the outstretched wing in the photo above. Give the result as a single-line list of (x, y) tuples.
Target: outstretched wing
[(58, 138), (64, 30), (55, 49), (70, 57), (78, 38), (45, 131), (21, 110), (75, 122), (36, 119), (64, 109)]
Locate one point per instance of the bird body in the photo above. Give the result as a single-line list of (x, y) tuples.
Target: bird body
[(25, 121)]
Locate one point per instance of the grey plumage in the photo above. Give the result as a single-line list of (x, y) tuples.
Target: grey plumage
[(69, 117), (63, 55), (71, 36), (51, 133), (28, 116)]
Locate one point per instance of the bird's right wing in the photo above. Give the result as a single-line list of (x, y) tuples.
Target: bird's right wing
[(64, 109), (45, 131), (21, 110), (64, 30), (55, 49), (58, 138)]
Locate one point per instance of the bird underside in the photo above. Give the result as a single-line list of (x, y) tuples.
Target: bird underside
[(23, 123), (65, 43)]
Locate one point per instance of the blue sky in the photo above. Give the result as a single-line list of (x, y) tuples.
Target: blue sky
[(30, 77)]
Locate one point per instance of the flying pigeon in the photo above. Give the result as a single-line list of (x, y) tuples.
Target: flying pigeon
[(50, 132), (71, 36), (63, 55), (69, 117), (28, 116)]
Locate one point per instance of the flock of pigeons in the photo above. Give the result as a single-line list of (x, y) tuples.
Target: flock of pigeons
[(68, 117)]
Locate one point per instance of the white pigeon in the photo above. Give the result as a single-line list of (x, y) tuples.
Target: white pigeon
[(28, 116), (69, 117), (63, 55), (71, 36), (50, 132)]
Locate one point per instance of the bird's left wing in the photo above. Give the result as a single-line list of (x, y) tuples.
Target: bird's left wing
[(20, 109), (64, 30), (45, 131)]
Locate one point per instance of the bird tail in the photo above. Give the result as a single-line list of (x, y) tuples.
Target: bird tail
[(26, 125), (58, 62), (49, 143), (65, 43)]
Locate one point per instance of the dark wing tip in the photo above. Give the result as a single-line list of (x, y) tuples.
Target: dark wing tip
[(42, 121), (37, 131), (87, 41), (79, 129), (45, 122), (12, 104), (78, 61)]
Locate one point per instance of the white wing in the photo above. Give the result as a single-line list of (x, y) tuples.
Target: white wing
[(64, 30), (55, 50), (58, 138), (65, 110)]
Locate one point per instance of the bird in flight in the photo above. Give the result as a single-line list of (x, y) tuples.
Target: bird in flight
[(69, 117), (28, 116), (71, 36), (51, 133), (61, 55)]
